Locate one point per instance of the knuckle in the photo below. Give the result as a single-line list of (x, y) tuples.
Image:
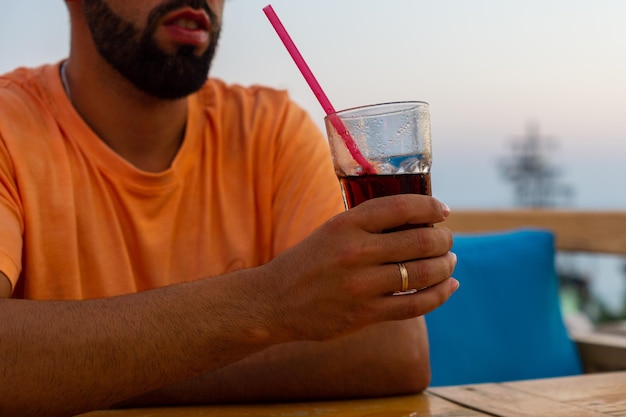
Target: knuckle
[(338, 223), (403, 205), (421, 303), (431, 271), (409, 309), (414, 308), (446, 236), (347, 254), (426, 239), (434, 240), (423, 272), (355, 288), (353, 252), (357, 317)]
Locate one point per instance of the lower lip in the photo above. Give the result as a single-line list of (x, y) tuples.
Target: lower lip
[(178, 34)]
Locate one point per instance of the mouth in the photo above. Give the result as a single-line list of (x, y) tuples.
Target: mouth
[(188, 26), (188, 18)]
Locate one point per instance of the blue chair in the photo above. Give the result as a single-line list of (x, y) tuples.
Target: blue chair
[(505, 322)]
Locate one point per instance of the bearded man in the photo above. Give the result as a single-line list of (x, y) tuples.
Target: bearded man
[(166, 238)]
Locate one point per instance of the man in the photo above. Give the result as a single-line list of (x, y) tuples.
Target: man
[(165, 239)]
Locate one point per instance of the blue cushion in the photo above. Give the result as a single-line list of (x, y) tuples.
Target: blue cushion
[(505, 322)]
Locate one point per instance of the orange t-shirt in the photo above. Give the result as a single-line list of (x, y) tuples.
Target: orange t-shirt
[(252, 177)]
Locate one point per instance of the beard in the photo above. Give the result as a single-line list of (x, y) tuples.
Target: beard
[(135, 54)]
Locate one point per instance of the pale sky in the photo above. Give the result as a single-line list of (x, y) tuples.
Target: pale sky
[(487, 67)]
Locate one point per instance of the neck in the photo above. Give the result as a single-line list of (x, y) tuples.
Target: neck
[(144, 130)]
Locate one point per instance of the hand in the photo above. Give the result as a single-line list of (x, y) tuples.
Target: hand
[(342, 277)]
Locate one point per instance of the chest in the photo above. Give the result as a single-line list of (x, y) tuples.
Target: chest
[(90, 227)]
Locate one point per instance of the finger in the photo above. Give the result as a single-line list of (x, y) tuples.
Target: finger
[(425, 273), (389, 212), (420, 274), (410, 244), (417, 304)]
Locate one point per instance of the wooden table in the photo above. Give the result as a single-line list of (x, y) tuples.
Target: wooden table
[(422, 405), (601, 394), (587, 395)]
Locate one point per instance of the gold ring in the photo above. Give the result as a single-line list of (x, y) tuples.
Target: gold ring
[(404, 275)]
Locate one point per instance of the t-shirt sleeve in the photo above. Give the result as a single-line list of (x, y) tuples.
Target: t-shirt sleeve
[(11, 224), (307, 192)]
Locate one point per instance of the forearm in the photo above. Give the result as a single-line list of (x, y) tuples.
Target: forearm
[(89, 354), (62, 358), (384, 359)]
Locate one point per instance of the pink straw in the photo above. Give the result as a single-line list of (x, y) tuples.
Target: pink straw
[(317, 90)]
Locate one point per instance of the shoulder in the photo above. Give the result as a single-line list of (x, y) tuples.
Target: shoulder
[(252, 101), (29, 114), (258, 107), (218, 87), (262, 119), (24, 94), (25, 82)]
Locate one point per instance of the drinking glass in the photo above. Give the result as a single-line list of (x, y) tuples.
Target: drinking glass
[(380, 150)]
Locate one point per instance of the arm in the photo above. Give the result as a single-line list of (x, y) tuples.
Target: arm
[(62, 358), (383, 359)]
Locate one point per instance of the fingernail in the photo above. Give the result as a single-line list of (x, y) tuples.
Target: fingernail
[(454, 285), (446, 209)]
